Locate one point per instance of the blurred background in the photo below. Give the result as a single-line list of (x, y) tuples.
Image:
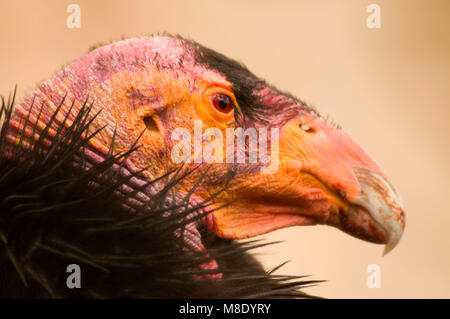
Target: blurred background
[(388, 88)]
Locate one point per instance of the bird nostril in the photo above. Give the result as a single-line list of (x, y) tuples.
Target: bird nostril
[(342, 193), (306, 127), (150, 124)]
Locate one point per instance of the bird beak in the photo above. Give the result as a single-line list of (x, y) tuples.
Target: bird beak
[(323, 177), (363, 202)]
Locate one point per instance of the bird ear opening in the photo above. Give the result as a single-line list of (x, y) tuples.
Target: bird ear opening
[(150, 124)]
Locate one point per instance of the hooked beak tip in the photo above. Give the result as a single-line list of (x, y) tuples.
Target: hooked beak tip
[(376, 214)]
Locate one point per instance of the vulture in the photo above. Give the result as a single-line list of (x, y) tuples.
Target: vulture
[(148, 165)]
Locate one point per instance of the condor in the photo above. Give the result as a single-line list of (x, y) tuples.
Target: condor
[(86, 178)]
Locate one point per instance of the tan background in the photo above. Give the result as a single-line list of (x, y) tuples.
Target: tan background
[(388, 88)]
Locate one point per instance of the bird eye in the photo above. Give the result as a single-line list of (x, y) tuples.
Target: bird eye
[(222, 103)]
